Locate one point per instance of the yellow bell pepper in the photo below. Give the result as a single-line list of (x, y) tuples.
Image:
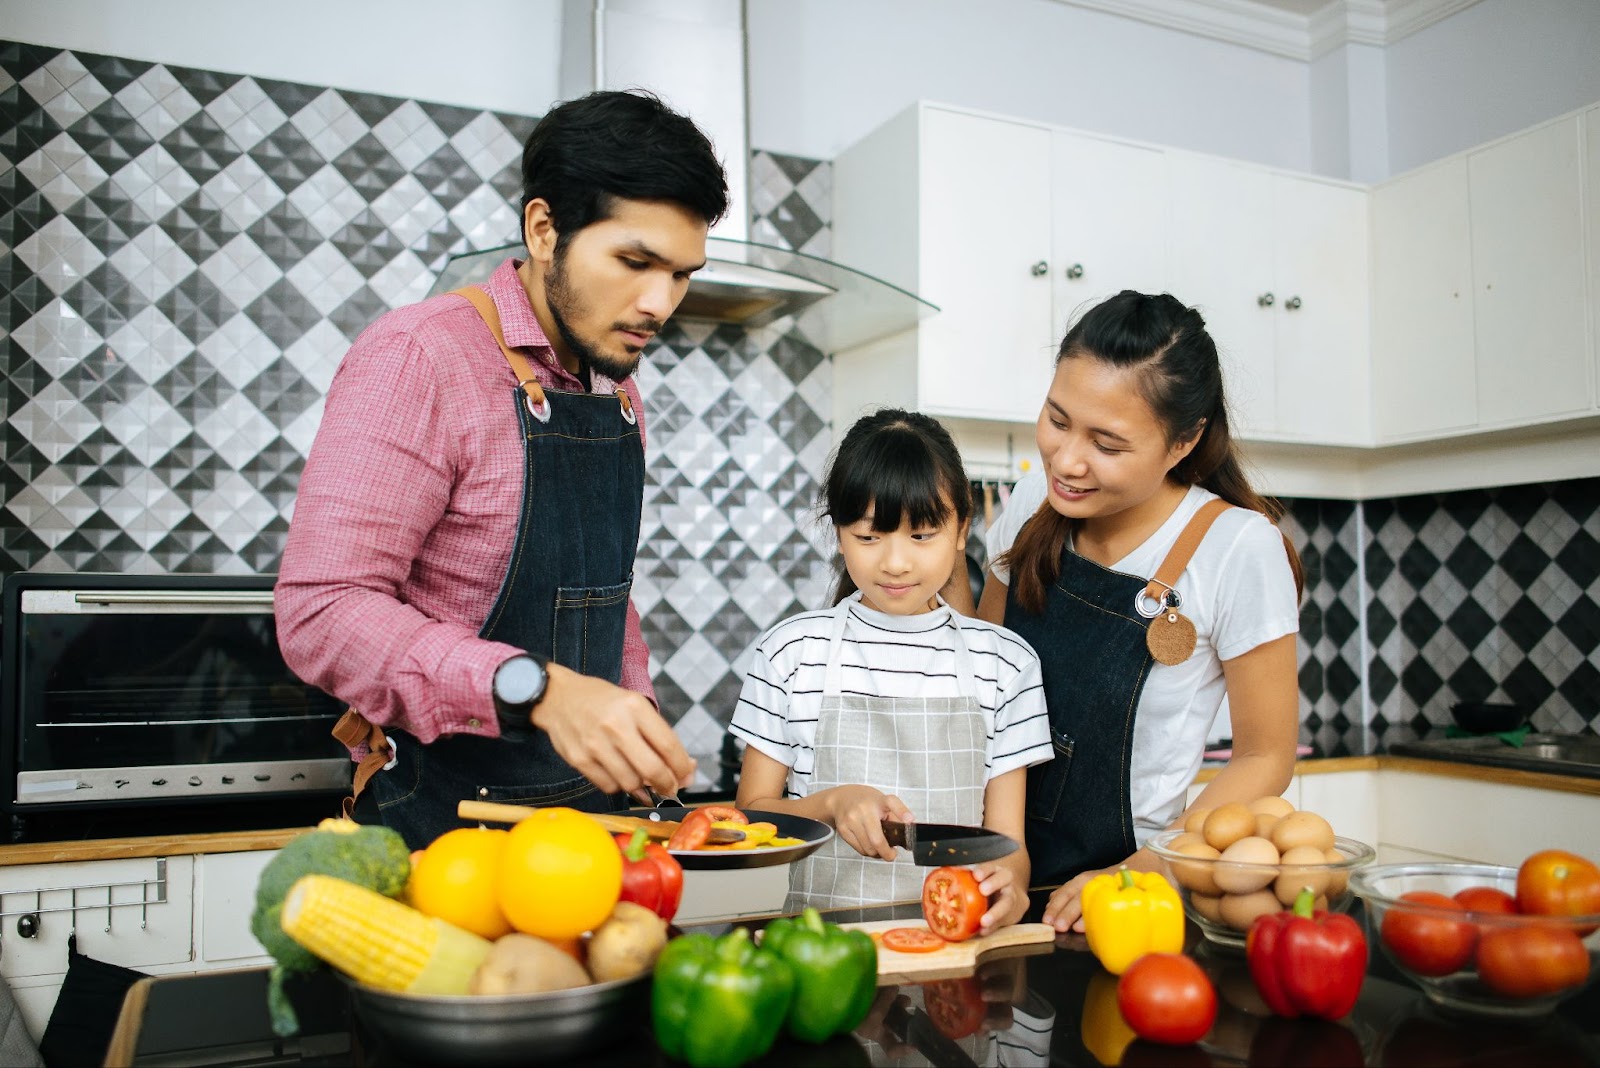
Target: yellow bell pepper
[(1129, 914), (1106, 1035)]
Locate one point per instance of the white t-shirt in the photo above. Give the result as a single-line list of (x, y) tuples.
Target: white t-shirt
[(889, 656), (1238, 590)]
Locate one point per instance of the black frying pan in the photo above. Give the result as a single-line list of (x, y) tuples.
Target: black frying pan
[(811, 833)]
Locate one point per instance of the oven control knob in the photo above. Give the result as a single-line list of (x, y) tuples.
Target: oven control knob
[(158, 782), (263, 778), (227, 780), (195, 780)]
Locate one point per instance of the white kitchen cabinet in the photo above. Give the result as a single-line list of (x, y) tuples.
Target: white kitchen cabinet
[(1487, 822), (1529, 305), (1348, 800), (954, 207), (225, 897), (1424, 377), (1109, 224), (1591, 211)]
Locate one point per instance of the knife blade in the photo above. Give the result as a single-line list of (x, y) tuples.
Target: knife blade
[(931, 844)]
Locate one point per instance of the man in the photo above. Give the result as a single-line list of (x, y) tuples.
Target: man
[(461, 556)]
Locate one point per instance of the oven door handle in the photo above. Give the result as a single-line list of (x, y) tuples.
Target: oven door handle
[(208, 598)]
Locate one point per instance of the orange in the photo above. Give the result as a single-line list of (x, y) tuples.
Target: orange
[(560, 875), (454, 880)]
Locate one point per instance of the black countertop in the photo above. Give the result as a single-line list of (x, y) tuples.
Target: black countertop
[(1045, 1009)]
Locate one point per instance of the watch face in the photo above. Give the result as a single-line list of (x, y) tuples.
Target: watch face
[(519, 680)]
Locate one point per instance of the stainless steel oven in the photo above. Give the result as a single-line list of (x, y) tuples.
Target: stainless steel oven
[(158, 697)]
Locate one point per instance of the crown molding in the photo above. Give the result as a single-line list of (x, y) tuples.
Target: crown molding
[(1270, 29)]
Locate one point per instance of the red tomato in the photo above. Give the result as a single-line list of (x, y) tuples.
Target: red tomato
[(952, 903), (1426, 943), (1557, 883), (1485, 899), (955, 1006), (1167, 998), (695, 828), (1532, 960), (912, 940)]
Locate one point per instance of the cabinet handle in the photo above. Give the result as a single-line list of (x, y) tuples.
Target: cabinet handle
[(1266, 300), (1040, 269), (1292, 303), (1075, 272)]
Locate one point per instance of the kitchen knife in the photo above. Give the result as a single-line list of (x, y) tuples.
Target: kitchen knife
[(948, 843)]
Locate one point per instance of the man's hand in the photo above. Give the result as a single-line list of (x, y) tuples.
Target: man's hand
[(858, 812), (614, 737)]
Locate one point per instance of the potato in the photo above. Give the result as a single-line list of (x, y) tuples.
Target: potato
[(522, 964), (627, 944)]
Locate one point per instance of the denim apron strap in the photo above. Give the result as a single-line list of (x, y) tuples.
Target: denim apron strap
[(564, 596)]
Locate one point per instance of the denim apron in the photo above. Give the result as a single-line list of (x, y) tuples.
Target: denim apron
[(564, 597), (1092, 653), (930, 752)]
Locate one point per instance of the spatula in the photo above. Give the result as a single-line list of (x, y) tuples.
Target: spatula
[(657, 830)]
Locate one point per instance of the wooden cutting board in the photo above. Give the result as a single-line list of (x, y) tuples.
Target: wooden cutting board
[(954, 958)]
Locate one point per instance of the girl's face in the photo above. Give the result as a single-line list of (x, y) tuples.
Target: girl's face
[(899, 573), (1103, 449)]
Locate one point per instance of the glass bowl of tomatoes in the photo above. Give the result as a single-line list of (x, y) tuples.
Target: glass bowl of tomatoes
[(1454, 929), (1224, 897)]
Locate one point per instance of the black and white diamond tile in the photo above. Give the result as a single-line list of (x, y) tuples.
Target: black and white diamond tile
[(1327, 536)]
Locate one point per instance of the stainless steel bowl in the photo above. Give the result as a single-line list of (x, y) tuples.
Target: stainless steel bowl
[(507, 1028)]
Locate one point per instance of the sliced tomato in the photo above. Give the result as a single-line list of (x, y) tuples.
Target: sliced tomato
[(912, 940), (952, 903), (955, 1006), (695, 828)]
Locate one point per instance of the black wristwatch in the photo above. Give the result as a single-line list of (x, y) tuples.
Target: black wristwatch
[(519, 683)]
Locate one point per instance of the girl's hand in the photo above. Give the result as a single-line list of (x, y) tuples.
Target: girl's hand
[(1007, 899), (858, 813), (1064, 911)]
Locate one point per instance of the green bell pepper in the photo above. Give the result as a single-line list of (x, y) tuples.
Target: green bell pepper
[(835, 972), (719, 1002)]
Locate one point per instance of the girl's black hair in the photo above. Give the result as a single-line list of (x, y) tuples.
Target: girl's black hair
[(901, 466)]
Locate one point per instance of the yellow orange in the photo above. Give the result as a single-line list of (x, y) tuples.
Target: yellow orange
[(454, 879), (560, 875)]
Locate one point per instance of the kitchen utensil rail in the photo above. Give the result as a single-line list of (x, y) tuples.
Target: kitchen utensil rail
[(151, 892)]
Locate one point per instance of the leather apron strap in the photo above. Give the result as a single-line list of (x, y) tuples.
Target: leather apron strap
[(1183, 549)]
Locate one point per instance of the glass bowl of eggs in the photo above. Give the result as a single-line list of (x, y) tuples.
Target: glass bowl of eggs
[(1237, 861)]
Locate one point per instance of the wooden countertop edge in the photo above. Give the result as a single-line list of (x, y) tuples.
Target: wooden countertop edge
[(1541, 780), (156, 846)]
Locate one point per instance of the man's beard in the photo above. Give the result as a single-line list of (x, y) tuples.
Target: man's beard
[(565, 304)]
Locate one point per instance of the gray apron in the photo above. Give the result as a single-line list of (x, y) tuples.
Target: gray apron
[(930, 752)]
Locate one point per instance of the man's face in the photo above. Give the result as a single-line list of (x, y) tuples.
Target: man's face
[(611, 288)]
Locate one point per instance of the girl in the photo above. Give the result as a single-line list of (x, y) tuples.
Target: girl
[(1148, 599), (890, 705)]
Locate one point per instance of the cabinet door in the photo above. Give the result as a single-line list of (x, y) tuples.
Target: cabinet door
[(1110, 231), (1423, 369), (985, 261), (226, 899), (1219, 259), (1323, 339), (1527, 266)]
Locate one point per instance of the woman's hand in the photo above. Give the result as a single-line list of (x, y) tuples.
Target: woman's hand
[(857, 814), (1008, 899), (1064, 911)]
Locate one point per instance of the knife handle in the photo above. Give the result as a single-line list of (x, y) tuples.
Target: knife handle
[(897, 832)]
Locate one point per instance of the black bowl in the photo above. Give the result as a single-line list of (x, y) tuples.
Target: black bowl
[(1482, 717)]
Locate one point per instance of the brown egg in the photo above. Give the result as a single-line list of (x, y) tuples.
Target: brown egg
[(1265, 821), (1301, 829), (1195, 876), (1239, 911), (1289, 884), (1208, 906), (1233, 878), (1179, 841), (1270, 806), (1338, 879), (1196, 820), (1227, 824)]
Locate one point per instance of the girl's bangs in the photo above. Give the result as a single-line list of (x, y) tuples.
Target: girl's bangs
[(901, 481)]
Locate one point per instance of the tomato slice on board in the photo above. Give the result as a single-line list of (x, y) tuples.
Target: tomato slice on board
[(912, 940), (952, 903), (955, 1006)]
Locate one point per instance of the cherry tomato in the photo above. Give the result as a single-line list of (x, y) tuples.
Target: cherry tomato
[(952, 903), (955, 1006), (1557, 883), (1485, 899), (1167, 998), (1532, 960), (1427, 943), (695, 828), (912, 940)]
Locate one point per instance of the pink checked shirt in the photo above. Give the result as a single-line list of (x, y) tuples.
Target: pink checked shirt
[(406, 515)]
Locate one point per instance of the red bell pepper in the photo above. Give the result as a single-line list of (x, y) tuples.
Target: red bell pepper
[(1305, 963), (651, 876)]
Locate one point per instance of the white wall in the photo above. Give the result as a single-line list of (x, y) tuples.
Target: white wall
[(1488, 71), (498, 54), (825, 72), (1349, 117)]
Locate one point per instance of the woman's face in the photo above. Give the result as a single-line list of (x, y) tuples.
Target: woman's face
[(901, 572), (1103, 449)]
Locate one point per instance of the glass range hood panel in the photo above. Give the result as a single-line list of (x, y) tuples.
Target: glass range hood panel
[(753, 285)]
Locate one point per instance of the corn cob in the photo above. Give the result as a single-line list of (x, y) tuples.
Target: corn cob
[(379, 941)]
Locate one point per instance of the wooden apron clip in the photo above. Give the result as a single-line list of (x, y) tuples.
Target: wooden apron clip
[(1170, 637)]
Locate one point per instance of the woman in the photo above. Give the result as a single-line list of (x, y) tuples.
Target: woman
[(1136, 449)]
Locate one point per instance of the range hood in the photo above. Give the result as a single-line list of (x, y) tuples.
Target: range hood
[(691, 53)]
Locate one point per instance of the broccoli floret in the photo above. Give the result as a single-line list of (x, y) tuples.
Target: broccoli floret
[(373, 857)]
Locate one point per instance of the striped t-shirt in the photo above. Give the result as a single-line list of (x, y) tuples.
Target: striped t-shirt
[(889, 656)]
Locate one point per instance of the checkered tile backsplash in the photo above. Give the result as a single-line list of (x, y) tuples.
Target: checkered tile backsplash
[(185, 256)]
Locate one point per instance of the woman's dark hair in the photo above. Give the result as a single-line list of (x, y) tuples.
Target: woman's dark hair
[(586, 153), (1180, 377), (901, 466)]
